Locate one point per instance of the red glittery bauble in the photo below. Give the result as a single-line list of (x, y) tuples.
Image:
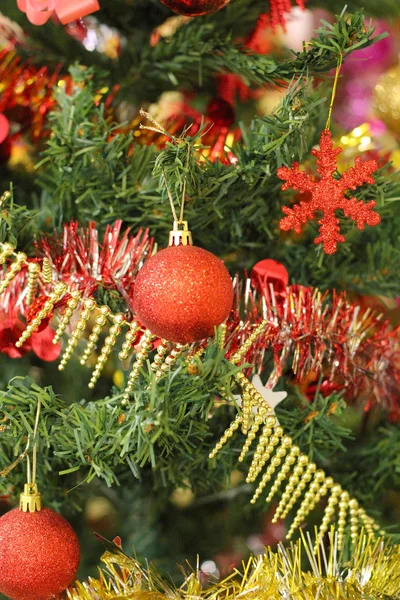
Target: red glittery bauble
[(39, 554), (182, 293), (195, 8)]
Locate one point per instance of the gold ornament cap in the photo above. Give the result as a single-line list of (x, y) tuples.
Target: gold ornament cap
[(30, 499), (180, 237)]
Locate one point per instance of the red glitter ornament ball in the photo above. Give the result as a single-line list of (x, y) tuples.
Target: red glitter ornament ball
[(195, 8), (182, 293), (39, 554)]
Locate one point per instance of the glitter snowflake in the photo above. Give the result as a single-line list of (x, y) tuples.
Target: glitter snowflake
[(328, 195)]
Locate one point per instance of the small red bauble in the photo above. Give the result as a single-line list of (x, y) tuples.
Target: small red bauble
[(182, 293), (269, 271), (39, 554), (195, 8)]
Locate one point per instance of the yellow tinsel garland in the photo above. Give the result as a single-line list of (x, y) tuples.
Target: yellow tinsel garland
[(372, 572)]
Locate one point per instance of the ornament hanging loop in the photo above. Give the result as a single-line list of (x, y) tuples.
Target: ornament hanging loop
[(180, 237), (30, 499), (177, 237), (335, 82)]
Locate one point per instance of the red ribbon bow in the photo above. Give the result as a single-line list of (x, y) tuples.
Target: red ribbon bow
[(40, 11)]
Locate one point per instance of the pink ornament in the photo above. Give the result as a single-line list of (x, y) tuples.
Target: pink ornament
[(4, 128)]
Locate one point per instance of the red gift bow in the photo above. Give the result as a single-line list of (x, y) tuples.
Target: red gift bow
[(40, 11)]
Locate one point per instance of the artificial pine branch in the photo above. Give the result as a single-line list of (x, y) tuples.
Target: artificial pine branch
[(89, 171), (161, 432)]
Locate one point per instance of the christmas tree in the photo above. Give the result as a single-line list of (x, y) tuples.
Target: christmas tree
[(199, 328)]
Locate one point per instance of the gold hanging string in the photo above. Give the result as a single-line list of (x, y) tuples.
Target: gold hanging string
[(158, 128), (35, 445), (171, 200), (338, 67)]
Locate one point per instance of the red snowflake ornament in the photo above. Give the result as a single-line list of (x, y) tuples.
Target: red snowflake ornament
[(328, 195)]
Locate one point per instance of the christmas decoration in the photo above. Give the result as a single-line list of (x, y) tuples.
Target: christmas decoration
[(271, 397), (40, 11), (4, 128), (372, 570), (386, 99), (182, 293), (278, 9), (39, 550), (39, 554), (27, 95), (282, 456), (267, 273), (307, 332), (40, 342), (328, 195), (195, 8)]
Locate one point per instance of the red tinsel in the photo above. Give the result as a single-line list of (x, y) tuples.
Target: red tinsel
[(310, 334), (27, 95), (83, 262), (313, 335)]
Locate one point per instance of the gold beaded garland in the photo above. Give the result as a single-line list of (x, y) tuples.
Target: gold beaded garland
[(141, 356), (33, 276), (109, 343), (57, 293), (283, 456), (101, 320), (89, 306)]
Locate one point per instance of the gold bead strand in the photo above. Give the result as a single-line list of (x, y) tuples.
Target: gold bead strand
[(323, 490), (171, 360), (309, 501), (33, 276), (101, 320), (305, 479), (89, 306), (329, 512), (354, 523), (66, 317), (109, 343), (251, 435), (221, 336), (367, 522), (266, 454), (145, 348), (57, 293), (13, 271), (227, 435), (258, 400), (159, 359), (6, 250), (343, 506), (294, 481), (245, 347), (283, 472), (281, 452), (47, 271), (266, 433), (130, 337), (246, 411)]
